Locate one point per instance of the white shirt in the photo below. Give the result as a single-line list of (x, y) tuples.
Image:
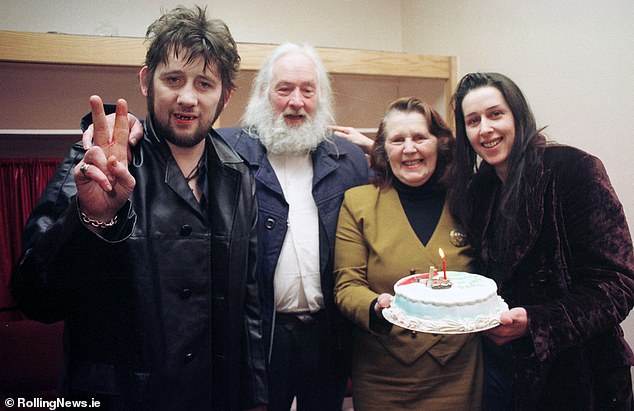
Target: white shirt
[(296, 283)]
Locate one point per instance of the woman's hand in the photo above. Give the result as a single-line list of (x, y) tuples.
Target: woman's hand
[(382, 301), (351, 134), (514, 324)]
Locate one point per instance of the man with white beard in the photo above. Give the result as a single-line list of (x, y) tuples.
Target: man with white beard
[(301, 173)]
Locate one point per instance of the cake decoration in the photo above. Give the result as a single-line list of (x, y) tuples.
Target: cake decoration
[(444, 263), (469, 304)]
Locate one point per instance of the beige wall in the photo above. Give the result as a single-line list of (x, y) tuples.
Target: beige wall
[(361, 24), (573, 59)]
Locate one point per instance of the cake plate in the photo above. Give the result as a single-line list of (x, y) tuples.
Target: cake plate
[(478, 324)]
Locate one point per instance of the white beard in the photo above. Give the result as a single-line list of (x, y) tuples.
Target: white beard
[(280, 138)]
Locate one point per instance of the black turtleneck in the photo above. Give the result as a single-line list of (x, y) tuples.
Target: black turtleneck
[(423, 206)]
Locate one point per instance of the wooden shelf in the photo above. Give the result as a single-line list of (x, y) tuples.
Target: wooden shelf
[(40, 132), (47, 78), (28, 47)]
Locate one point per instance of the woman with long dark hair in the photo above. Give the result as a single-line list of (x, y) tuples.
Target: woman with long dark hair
[(546, 224)]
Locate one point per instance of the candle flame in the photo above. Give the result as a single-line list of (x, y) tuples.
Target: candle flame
[(441, 252)]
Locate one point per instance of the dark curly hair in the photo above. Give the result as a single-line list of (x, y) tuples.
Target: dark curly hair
[(383, 175), (188, 31)]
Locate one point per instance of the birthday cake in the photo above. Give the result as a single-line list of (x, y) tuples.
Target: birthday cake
[(461, 303)]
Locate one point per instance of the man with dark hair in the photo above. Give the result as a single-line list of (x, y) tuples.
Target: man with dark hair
[(301, 172), (152, 265)]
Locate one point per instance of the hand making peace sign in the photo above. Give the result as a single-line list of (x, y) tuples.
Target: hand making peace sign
[(102, 178)]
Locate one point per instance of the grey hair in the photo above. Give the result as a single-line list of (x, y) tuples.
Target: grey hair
[(262, 81)]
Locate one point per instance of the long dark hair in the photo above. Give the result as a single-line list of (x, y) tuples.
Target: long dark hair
[(523, 160), (383, 175)]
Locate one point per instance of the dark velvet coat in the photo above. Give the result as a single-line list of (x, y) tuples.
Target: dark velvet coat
[(570, 264)]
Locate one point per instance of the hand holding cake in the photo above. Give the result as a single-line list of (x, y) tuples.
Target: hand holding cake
[(514, 324), (382, 301), (546, 224), (471, 304), (393, 227)]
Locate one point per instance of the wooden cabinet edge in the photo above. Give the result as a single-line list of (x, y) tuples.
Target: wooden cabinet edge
[(54, 48)]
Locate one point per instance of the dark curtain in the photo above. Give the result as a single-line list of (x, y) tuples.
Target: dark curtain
[(21, 183)]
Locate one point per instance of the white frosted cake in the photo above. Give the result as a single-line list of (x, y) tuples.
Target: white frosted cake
[(470, 304)]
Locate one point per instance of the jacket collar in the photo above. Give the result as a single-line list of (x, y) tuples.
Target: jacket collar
[(325, 157), (224, 154), (529, 216), (217, 153), (151, 136)]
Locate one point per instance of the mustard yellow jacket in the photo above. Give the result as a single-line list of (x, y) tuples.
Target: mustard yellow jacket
[(375, 247)]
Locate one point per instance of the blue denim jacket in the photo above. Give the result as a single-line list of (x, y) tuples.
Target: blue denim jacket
[(337, 166)]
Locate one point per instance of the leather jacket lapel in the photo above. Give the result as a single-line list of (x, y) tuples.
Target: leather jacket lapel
[(173, 176), (175, 181)]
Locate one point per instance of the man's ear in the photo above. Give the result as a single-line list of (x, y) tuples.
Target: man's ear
[(144, 80), (221, 105), (227, 98)]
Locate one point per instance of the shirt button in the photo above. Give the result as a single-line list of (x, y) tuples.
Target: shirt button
[(186, 293), (186, 230), (189, 356), (269, 223)]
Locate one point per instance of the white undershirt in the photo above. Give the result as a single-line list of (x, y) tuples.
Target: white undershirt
[(297, 283)]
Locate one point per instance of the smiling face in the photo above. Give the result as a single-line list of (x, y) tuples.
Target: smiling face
[(412, 151), (490, 126), (293, 91), (182, 97)]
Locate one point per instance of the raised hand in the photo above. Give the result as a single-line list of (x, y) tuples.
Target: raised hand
[(136, 131), (102, 178), (353, 135)]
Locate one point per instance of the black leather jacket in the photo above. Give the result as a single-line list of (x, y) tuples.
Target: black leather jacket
[(163, 313)]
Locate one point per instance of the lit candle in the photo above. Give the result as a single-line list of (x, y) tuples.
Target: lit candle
[(444, 264)]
